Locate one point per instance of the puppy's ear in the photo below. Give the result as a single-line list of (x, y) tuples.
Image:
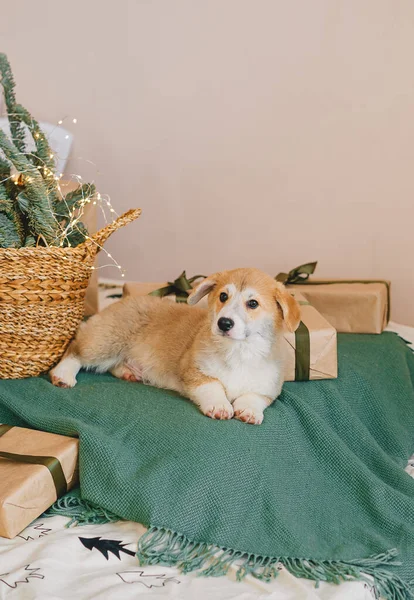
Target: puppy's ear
[(202, 289), (290, 307)]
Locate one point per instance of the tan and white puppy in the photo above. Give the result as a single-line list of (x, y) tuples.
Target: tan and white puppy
[(228, 359)]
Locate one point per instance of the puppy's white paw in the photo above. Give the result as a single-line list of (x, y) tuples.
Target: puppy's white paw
[(219, 410), (249, 409), (211, 400)]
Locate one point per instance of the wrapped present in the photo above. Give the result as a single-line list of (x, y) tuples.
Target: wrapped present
[(173, 291), (311, 350), (350, 305), (36, 468)]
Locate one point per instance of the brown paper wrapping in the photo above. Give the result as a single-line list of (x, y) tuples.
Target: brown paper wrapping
[(349, 307), (90, 220), (323, 344), (323, 356), (26, 491)]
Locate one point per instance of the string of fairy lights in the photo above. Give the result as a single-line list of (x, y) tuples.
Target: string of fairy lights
[(102, 201)]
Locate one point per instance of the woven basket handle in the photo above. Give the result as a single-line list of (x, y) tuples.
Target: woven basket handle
[(103, 234)]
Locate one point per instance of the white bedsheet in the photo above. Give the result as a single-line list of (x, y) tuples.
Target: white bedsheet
[(50, 562)]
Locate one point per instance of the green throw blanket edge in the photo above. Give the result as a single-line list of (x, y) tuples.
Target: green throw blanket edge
[(162, 546)]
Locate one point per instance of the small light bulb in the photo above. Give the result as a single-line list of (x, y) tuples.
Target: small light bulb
[(122, 275), (119, 266), (112, 210), (60, 122), (51, 155), (75, 121), (92, 267), (66, 137), (109, 256), (93, 202)]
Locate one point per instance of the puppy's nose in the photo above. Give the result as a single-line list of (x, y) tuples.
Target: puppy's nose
[(225, 324)]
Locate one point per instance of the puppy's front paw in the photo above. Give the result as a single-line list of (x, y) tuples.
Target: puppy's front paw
[(218, 410), (249, 409)]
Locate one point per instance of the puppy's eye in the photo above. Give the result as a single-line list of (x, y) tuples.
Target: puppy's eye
[(252, 304), (223, 297)]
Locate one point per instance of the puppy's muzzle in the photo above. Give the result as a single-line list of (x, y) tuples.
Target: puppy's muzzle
[(225, 324)]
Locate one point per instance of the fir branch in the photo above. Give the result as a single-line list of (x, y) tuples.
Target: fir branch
[(13, 214), (43, 156), (7, 81), (73, 199), (4, 169), (76, 235), (40, 216), (9, 236)]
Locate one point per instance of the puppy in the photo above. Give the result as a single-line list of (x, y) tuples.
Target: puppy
[(228, 359)]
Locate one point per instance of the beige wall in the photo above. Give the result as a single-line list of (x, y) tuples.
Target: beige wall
[(259, 132)]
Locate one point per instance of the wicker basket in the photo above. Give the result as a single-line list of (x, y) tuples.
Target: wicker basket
[(42, 293)]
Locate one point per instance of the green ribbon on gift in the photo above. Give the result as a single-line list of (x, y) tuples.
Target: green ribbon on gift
[(302, 353), (300, 276), (181, 287), (50, 462)]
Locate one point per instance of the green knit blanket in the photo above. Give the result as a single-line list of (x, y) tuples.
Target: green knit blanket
[(320, 487)]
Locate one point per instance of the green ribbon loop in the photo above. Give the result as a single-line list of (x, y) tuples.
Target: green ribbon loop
[(181, 287), (297, 275), (302, 353), (50, 462)]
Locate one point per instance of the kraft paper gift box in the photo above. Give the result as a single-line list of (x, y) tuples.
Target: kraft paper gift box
[(310, 351), (350, 305), (89, 218), (35, 469)]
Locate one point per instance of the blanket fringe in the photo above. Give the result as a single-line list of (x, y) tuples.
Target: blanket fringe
[(80, 511), (163, 546)]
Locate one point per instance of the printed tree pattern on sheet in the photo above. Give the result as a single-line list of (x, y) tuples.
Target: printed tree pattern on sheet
[(148, 580), (106, 546), (20, 575), (34, 532)]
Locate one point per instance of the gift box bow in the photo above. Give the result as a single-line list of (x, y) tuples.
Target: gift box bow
[(181, 287), (50, 462)]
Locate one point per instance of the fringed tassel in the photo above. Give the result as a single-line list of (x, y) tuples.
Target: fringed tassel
[(166, 547), (80, 511), (162, 546)]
